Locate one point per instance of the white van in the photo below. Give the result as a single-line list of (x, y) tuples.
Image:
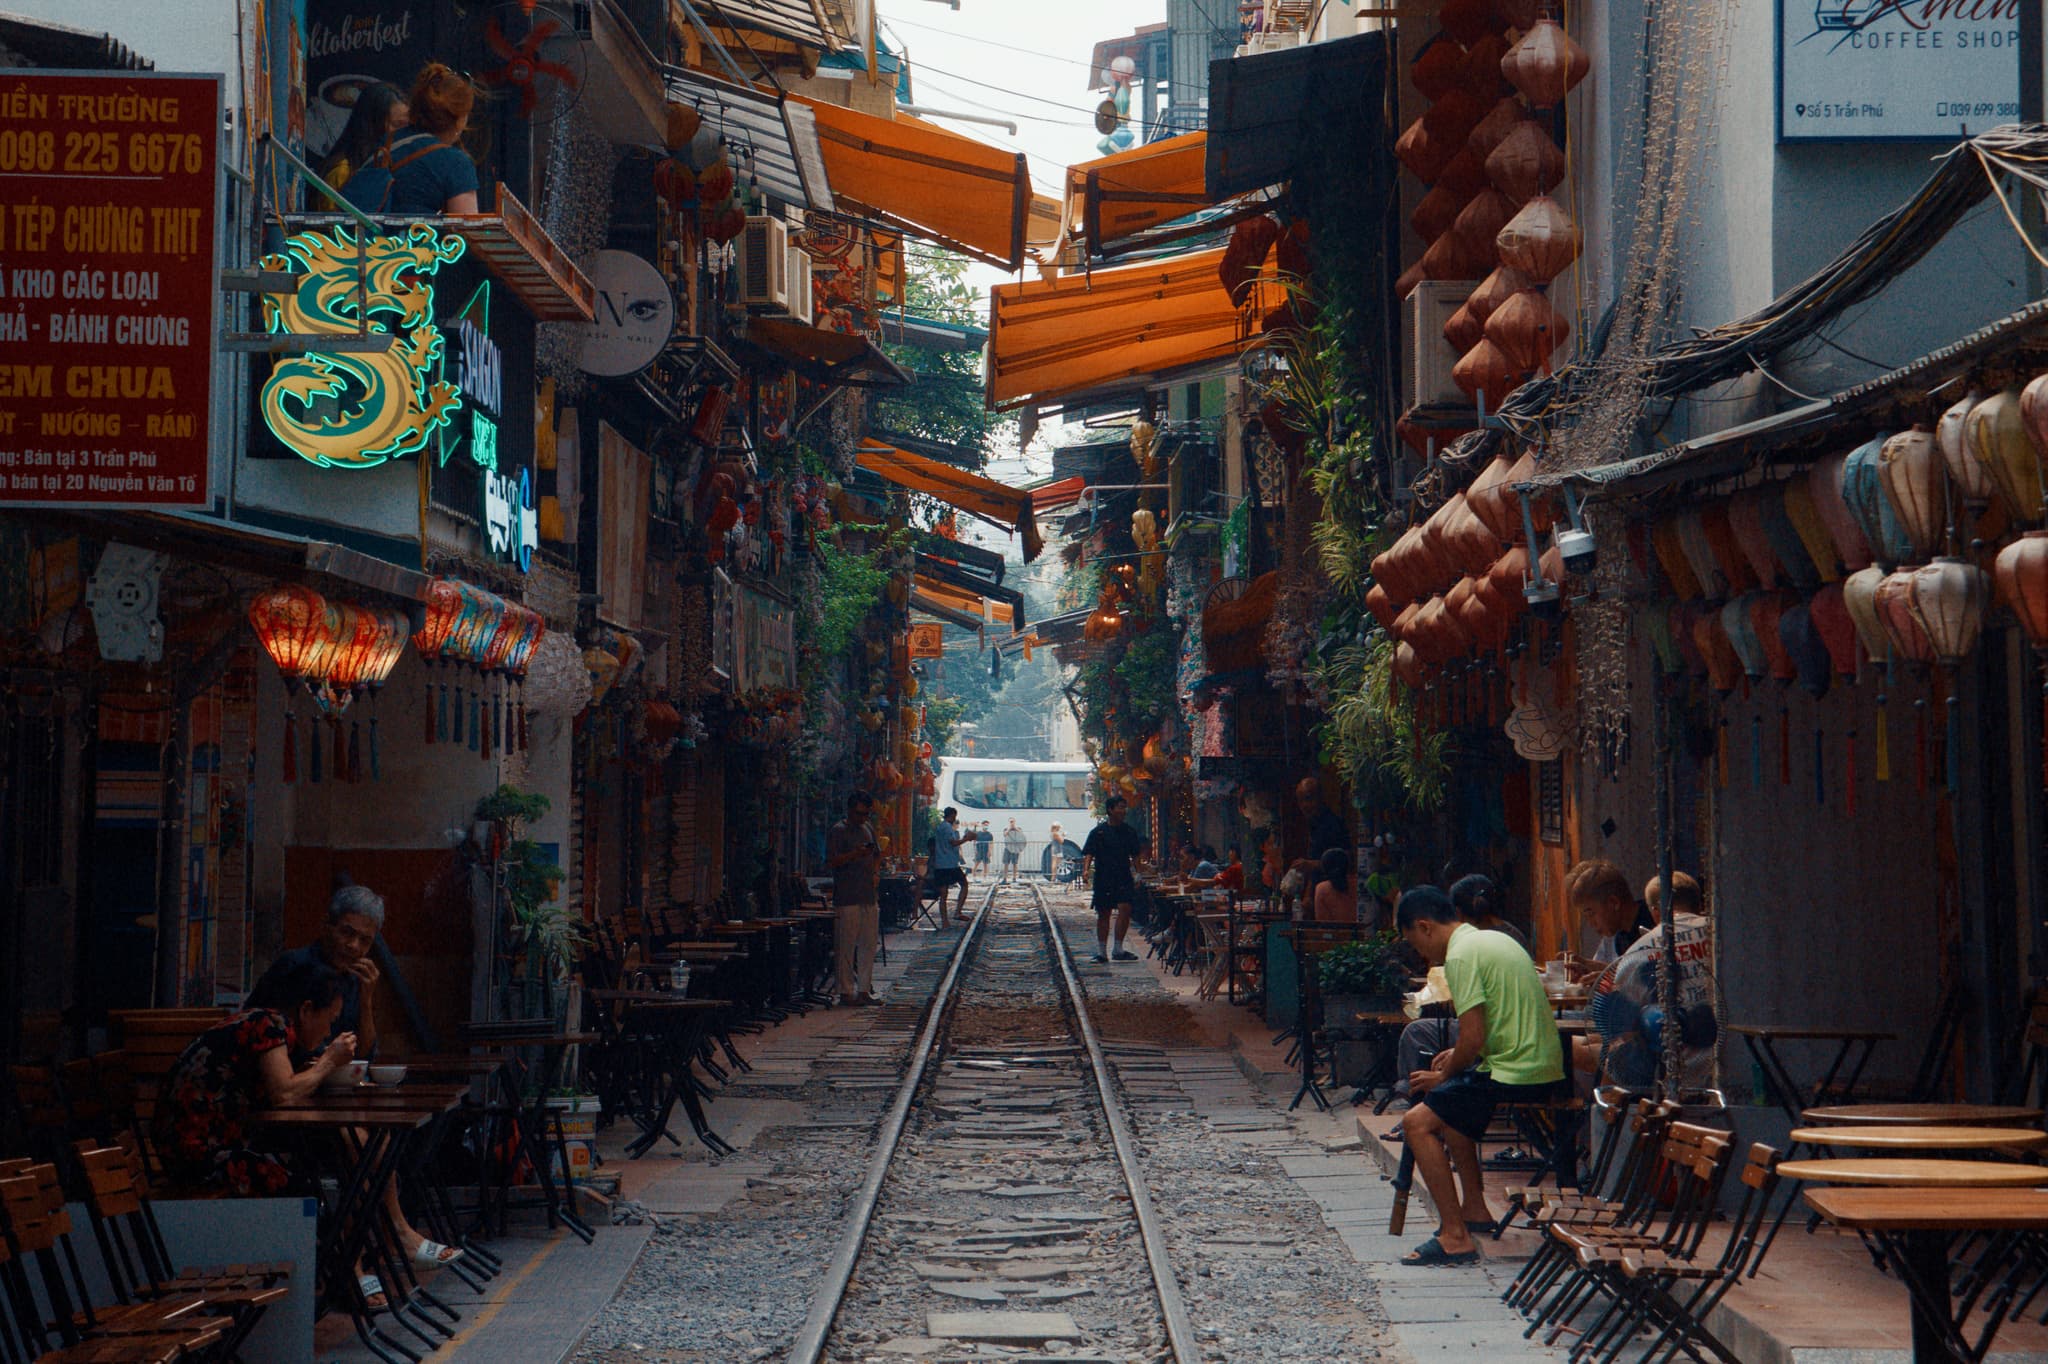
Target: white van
[(1036, 795)]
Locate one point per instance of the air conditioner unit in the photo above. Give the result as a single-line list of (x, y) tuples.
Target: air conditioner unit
[(763, 264), (1430, 356), (799, 276)]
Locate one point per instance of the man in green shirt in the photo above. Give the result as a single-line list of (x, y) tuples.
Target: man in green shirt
[(1507, 1051)]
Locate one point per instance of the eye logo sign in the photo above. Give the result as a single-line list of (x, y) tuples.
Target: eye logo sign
[(636, 315)]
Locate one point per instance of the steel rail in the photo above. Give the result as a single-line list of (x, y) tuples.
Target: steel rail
[(809, 1346), (1180, 1332)]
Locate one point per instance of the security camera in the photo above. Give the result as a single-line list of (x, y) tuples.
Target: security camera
[(1577, 549), (1544, 598)]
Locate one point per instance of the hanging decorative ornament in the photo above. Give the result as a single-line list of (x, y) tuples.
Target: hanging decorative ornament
[(1824, 485), (1435, 215), (1488, 134), (1863, 492), (1541, 240), (289, 622), (1914, 478), (1724, 665), (1829, 610), (704, 147), (1526, 163), (2022, 571), (1510, 572), (1492, 503), (1729, 560), (1486, 371), (1670, 552), (1746, 522), (1454, 256), (1465, 174), (1787, 545), (1998, 432), (1812, 529), (1546, 64), (1528, 330), (1423, 152), (1901, 618), (1951, 436), (1948, 598), (1859, 595), (1738, 623), (1438, 67)]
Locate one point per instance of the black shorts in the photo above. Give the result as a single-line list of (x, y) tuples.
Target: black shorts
[(1108, 897), (1466, 1101), (943, 877)]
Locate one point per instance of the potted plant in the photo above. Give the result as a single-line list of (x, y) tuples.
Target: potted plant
[(1366, 976), (528, 880)]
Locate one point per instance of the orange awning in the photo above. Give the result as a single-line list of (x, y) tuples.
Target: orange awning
[(1061, 492), (1118, 196), (997, 503), (933, 184), (1050, 337), (950, 598), (827, 356)]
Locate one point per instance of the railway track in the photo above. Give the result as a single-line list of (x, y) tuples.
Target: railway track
[(1004, 1202)]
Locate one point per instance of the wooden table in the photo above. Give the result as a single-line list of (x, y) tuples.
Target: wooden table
[(1762, 1041), (1913, 1227), (1917, 1115), (1907, 1171), (675, 1031), (1876, 1137), (529, 1119)]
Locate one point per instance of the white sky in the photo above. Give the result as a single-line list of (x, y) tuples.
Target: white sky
[(1021, 60)]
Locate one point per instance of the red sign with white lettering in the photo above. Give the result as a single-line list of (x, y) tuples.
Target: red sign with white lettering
[(109, 195)]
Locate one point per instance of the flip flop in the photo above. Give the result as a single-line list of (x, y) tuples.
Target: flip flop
[(1432, 1255), (432, 1255), (372, 1289)]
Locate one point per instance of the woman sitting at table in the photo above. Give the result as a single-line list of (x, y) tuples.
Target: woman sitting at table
[(243, 1064), (1336, 902)]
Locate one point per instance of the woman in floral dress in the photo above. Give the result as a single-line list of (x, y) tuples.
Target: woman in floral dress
[(240, 1065)]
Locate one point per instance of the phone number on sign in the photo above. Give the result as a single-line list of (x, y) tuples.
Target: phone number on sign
[(81, 153)]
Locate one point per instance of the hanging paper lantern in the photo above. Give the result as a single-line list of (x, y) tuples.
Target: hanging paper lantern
[(1466, 20), (1541, 240), (2022, 569), (1863, 491), (680, 124), (1465, 173), (1486, 371), (1381, 605), (1482, 61), (532, 628), (290, 622), (1949, 598), (1438, 67), (1723, 664), (1829, 611), (1766, 615), (1900, 617), (445, 604), (1435, 215), (1488, 134), (1464, 329), (704, 147), (1527, 329), (1729, 560), (354, 646), (1546, 64), (1492, 503), (1454, 256), (1405, 286), (1510, 572), (1951, 436), (1738, 624), (1408, 665), (1656, 627), (1997, 432), (1787, 547), (319, 662), (1497, 288), (675, 182), (1526, 163), (1422, 152), (1859, 595), (1692, 538), (1808, 525), (1800, 637), (716, 182), (1746, 522), (1914, 478), (511, 625), (1473, 547), (1251, 241), (1664, 543), (474, 628), (1824, 484), (389, 646)]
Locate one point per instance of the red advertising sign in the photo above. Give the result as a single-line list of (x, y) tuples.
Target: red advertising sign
[(109, 194)]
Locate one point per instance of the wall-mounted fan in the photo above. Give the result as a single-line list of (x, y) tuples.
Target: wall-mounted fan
[(528, 58)]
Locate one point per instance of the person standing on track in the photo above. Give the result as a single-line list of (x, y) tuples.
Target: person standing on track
[(1013, 849), (856, 863), (1111, 848), (946, 870)]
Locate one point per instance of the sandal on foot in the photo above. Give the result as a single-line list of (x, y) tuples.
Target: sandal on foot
[(372, 1289), (432, 1255), (1431, 1254)]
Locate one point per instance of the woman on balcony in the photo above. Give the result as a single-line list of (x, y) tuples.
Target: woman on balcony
[(423, 171)]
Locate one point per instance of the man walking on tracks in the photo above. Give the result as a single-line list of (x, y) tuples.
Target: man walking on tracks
[(946, 870), (1111, 848), (856, 863)]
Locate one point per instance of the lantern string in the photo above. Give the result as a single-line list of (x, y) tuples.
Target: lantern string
[(290, 755), (441, 707), (340, 748)]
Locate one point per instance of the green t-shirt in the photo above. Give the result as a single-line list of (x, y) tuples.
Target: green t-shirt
[(1486, 968)]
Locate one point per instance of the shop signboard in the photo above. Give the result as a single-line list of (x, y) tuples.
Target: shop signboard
[(927, 640), (511, 520), (625, 482), (765, 653), (636, 312), (109, 279), (351, 45), (1896, 69)]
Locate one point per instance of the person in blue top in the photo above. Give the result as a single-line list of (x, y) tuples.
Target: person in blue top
[(422, 171)]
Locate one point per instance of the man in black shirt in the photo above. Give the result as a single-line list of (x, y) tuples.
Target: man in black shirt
[(1111, 848)]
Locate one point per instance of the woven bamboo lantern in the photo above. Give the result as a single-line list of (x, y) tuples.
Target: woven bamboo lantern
[(1526, 163), (1486, 370), (1546, 64), (1473, 545), (1972, 479), (1464, 328), (1424, 153), (1467, 20), (1510, 572), (1497, 288), (1465, 172), (1452, 256), (1527, 329), (1487, 135), (1541, 240), (1381, 604), (1915, 479), (1997, 430), (1450, 120)]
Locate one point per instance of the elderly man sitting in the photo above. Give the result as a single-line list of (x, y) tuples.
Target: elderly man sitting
[(355, 916)]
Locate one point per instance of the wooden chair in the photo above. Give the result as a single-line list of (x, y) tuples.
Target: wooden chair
[(152, 1040), (37, 1227)]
